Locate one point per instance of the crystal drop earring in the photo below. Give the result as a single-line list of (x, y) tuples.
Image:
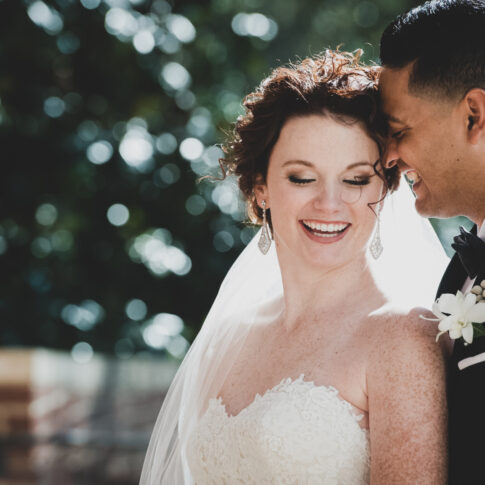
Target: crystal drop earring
[(376, 247), (264, 242)]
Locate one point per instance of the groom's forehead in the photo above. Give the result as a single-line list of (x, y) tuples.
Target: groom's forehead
[(393, 86)]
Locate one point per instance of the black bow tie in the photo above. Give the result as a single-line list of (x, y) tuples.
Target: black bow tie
[(471, 251)]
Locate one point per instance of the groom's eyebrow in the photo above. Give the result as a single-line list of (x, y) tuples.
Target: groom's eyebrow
[(393, 119)]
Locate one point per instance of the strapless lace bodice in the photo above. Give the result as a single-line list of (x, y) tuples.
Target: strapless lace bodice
[(295, 433)]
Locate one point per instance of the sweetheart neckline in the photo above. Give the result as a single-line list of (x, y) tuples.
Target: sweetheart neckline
[(290, 381)]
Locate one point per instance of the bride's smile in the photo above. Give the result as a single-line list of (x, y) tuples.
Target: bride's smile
[(325, 232)]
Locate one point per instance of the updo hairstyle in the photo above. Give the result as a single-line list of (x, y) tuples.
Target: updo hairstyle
[(334, 83)]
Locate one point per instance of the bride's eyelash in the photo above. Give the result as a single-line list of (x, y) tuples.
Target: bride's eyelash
[(299, 181), (358, 181)]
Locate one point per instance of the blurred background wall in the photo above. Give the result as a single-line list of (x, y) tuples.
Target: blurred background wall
[(111, 249)]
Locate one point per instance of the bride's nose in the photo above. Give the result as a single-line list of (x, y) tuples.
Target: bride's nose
[(328, 198)]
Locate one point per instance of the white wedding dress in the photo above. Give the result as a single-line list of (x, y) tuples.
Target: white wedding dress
[(295, 433)]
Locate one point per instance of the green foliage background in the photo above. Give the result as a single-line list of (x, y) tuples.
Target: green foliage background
[(71, 76)]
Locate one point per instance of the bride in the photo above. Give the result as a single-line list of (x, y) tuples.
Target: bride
[(312, 366)]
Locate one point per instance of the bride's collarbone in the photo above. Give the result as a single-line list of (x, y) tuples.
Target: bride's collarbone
[(330, 362)]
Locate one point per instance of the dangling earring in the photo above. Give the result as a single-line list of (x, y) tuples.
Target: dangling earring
[(264, 242), (376, 247)]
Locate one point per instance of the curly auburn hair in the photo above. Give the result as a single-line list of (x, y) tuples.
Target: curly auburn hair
[(334, 83)]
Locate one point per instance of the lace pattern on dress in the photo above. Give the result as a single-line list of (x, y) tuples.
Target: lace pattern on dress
[(294, 433)]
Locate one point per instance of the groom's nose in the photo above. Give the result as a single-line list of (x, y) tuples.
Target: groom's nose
[(391, 156)]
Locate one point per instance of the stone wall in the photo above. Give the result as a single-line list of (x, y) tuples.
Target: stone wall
[(68, 423)]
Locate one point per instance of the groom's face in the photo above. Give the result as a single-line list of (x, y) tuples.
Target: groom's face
[(424, 141)]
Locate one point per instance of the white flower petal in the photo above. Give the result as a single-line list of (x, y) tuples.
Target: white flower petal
[(447, 323), (455, 332), (436, 310), (449, 303), (470, 302), (468, 333), (476, 313)]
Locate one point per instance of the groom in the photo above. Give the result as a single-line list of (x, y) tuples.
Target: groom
[(433, 93)]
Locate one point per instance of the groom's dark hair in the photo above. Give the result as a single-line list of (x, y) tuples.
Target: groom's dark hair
[(445, 39)]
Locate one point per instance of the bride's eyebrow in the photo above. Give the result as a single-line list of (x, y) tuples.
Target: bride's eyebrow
[(298, 162), (358, 164)]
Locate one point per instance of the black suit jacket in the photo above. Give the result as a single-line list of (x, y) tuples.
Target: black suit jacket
[(466, 397)]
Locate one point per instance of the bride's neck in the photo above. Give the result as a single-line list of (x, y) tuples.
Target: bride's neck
[(309, 292)]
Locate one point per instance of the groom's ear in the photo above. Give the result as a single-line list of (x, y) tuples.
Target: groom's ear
[(475, 111)]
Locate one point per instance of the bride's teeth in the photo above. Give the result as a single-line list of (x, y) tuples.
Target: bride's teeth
[(325, 227)]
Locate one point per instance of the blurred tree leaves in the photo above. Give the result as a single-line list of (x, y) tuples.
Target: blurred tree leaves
[(106, 102)]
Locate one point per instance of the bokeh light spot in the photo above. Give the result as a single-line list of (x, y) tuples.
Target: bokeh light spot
[(158, 331), (84, 316), (144, 42), (99, 152), (195, 205), (136, 309), (223, 241), (185, 100), (46, 214), (88, 130), (169, 173), (90, 4), (119, 21), (136, 147), (41, 247), (118, 214), (176, 76), (82, 353), (46, 17), (178, 346), (62, 240), (191, 148), (155, 251), (181, 27), (68, 43), (166, 143), (254, 25), (54, 107)]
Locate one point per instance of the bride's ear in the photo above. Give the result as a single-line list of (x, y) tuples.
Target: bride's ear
[(261, 191), (475, 112)]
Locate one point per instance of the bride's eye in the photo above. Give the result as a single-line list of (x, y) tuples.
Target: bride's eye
[(299, 181), (358, 180)]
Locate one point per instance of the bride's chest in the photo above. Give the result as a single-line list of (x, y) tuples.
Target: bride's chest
[(264, 362)]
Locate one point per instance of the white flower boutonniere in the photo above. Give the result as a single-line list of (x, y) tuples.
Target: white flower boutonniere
[(460, 315)]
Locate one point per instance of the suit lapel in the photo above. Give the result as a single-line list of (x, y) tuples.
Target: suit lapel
[(453, 278), (455, 274)]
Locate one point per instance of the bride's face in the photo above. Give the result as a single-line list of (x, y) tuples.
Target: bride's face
[(319, 183)]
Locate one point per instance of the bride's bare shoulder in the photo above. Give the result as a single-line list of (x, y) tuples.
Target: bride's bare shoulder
[(406, 329)]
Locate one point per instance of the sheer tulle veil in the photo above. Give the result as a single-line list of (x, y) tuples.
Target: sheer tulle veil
[(408, 272)]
